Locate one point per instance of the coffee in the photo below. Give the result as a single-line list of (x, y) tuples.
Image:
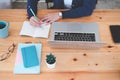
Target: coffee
[(2, 26)]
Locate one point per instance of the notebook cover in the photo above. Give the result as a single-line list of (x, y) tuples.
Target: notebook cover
[(19, 66), (29, 56)]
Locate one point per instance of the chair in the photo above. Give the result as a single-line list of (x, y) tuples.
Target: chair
[(47, 2), (96, 1)]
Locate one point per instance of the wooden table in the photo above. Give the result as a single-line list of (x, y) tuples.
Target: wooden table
[(72, 64)]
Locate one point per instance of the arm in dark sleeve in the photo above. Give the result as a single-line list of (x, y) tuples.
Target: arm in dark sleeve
[(33, 5), (85, 10)]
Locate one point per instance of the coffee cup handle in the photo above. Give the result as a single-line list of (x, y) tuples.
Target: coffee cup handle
[(8, 24)]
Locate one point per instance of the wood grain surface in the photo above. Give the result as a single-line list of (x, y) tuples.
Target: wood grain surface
[(72, 64)]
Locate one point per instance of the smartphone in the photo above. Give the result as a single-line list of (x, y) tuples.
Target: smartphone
[(115, 33)]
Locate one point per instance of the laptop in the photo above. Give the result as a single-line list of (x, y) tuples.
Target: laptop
[(83, 35)]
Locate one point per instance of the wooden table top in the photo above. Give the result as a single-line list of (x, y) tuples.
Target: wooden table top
[(72, 64)]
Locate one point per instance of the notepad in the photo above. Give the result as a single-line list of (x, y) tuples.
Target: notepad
[(19, 65), (29, 30), (29, 55)]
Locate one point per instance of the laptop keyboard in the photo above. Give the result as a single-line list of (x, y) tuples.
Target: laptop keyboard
[(65, 36)]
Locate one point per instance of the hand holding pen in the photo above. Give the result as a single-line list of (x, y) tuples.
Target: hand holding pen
[(34, 20)]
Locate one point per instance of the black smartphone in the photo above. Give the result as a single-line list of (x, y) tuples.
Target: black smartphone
[(115, 32)]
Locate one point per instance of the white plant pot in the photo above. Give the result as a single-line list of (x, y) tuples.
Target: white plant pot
[(51, 66)]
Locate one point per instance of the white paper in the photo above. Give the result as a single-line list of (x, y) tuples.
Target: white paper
[(29, 30)]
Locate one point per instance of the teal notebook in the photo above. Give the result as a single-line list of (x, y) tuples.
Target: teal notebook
[(19, 67), (29, 55)]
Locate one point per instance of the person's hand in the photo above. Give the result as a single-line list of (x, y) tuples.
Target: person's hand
[(34, 21), (52, 17)]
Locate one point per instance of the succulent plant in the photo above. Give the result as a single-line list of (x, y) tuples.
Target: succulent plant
[(50, 58)]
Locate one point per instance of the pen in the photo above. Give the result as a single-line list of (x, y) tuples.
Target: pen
[(32, 11), (35, 15)]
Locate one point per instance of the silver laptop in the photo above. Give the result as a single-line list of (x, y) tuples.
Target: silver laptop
[(75, 35)]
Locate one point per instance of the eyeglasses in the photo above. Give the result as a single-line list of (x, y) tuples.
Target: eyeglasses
[(4, 56)]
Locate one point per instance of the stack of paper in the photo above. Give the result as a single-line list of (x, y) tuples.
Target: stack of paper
[(19, 65), (29, 30)]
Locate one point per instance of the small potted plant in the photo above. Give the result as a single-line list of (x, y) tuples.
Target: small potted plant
[(50, 60)]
